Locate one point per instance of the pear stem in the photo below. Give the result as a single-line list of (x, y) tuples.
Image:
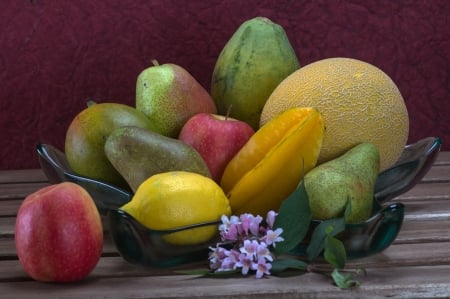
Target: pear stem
[(90, 102), (155, 62)]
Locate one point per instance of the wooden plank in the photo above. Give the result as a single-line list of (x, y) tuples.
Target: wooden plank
[(7, 226), (402, 255), (443, 158), (426, 192), (439, 173), (19, 190), (431, 210), (9, 208), (22, 176), (115, 266), (404, 282), (423, 232)]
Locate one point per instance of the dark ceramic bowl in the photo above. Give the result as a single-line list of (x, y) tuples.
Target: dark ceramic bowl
[(140, 245)]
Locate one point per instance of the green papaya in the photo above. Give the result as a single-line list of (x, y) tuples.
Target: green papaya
[(253, 62)]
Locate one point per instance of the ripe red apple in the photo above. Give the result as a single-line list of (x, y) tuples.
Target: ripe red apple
[(58, 233), (217, 138)]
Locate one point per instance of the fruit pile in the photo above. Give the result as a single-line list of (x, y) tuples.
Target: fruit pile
[(191, 156)]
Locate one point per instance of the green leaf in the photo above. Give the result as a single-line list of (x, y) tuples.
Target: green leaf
[(281, 265), (344, 281), (335, 252), (326, 228), (294, 217), (348, 208)]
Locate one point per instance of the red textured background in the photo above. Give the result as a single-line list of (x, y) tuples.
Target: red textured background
[(56, 53)]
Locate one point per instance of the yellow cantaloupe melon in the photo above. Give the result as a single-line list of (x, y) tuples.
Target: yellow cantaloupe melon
[(358, 102)]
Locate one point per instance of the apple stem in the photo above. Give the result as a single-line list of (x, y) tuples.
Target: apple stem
[(228, 111), (155, 62)]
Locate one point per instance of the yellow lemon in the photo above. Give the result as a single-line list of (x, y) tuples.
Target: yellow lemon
[(178, 198), (358, 101)]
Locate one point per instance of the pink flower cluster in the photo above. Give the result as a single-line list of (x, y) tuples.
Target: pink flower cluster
[(246, 242)]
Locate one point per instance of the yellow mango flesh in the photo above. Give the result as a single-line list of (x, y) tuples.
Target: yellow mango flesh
[(270, 166)]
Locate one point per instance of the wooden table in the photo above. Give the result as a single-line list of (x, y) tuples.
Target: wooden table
[(417, 265)]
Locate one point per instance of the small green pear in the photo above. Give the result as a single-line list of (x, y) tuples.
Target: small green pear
[(138, 153), (169, 95), (351, 176)]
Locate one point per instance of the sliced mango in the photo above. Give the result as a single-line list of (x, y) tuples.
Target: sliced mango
[(271, 164)]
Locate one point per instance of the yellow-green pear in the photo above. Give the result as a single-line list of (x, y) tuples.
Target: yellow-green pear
[(351, 176), (169, 95)]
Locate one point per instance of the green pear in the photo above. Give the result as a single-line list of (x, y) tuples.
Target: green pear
[(138, 153), (351, 176), (169, 95)]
